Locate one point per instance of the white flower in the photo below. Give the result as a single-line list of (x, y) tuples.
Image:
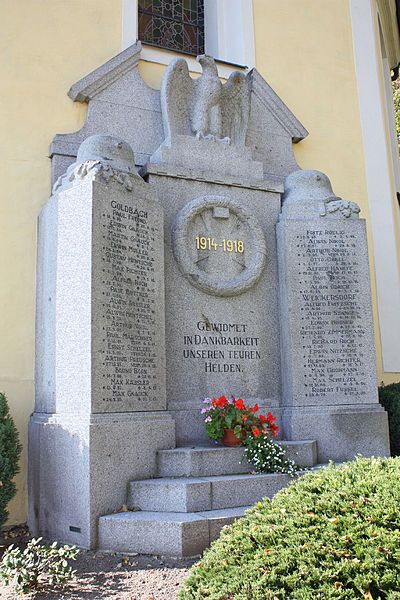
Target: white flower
[(207, 420)]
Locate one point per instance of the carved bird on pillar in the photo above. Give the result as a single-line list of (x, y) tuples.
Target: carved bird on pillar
[(205, 107)]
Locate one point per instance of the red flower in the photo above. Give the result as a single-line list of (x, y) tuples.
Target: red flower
[(214, 402), (256, 432), (263, 419), (255, 408), (239, 404), (274, 429), (270, 418), (222, 401)]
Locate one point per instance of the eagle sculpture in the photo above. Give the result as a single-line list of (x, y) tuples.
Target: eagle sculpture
[(205, 107)]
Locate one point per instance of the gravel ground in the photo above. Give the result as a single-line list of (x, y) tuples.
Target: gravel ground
[(100, 576)]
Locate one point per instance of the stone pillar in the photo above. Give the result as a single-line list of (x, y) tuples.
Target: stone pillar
[(100, 412), (327, 337), (221, 284)]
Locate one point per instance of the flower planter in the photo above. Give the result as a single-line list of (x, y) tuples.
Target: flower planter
[(223, 417), (230, 439)]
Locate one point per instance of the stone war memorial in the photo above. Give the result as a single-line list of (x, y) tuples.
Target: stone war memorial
[(184, 254)]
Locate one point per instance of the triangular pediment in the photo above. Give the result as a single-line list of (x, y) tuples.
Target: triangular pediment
[(122, 104), (105, 76), (276, 107)]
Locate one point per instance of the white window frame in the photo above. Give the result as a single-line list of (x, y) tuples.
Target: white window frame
[(229, 34), (380, 175)]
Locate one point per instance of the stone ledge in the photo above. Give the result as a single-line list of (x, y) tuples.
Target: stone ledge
[(163, 533), (193, 494), (205, 461), (272, 184)]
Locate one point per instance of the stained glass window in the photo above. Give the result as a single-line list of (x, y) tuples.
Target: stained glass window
[(173, 24)]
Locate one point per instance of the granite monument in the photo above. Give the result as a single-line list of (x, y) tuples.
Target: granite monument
[(183, 254)]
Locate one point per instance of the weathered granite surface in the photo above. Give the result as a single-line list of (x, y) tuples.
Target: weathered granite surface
[(224, 160), (187, 281), (100, 353), (217, 342), (79, 466), (104, 347), (327, 336), (122, 104), (203, 461)]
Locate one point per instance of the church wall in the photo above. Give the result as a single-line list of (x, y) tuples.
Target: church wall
[(303, 48), (46, 46)]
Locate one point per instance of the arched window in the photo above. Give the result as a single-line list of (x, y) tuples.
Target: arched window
[(172, 24)]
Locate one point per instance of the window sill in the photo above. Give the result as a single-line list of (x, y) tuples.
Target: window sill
[(163, 56)]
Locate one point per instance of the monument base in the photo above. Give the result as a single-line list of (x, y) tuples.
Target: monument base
[(198, 491), (341, 432), (82, 466)]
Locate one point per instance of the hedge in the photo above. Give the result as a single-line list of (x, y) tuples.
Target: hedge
[(10, 450), (333, 533), (389, 397)]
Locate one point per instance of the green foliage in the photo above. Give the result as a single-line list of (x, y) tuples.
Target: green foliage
[(222, 414), (36, 566), (10, 450), (389, 397), (332, 534), (267, 456)]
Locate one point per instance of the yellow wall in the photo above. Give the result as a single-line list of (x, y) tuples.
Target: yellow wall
[(384, 376), (303, 49), (46, 45)]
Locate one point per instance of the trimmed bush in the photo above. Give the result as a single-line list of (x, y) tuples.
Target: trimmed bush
[(333, 533), (10, 450), (389, 397)]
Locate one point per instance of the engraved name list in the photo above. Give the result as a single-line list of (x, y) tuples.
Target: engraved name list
[(127, 308), (331, 329)]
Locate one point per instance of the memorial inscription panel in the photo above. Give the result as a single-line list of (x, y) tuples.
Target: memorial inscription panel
[(129, 364), (221, 250), (330, 312), (222, 347)]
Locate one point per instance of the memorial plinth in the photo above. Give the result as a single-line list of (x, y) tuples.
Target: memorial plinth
[(220, 248), (100, 373), (329, 387)]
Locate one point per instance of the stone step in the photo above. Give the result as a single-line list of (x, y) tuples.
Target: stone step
[(192, 494), (206, 461), (163, 533)]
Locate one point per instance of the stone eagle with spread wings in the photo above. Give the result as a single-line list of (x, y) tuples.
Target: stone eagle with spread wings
[(205, 107)]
